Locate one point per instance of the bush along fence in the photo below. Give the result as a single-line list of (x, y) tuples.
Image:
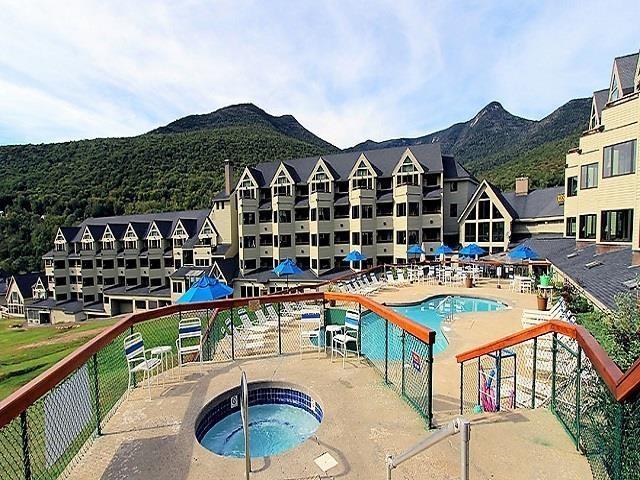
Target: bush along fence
[(560, 366), (47, 424)]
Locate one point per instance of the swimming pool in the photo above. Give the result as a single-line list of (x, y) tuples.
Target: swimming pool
[(430, 312), (280, 418)]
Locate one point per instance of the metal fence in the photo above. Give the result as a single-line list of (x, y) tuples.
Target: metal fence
[(552, 370), (46, 425)]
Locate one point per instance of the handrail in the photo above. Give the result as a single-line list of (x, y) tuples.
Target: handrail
[(444, 300), (244, 413), (622, 385), (457, 425), (13, 405)]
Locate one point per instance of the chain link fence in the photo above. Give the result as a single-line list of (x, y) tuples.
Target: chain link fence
[(49, 436), (552, 371)]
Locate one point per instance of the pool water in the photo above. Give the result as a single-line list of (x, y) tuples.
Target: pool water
[(273, 429), (429, 313)]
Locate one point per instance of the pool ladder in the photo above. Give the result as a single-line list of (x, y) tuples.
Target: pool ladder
[(244, 413)]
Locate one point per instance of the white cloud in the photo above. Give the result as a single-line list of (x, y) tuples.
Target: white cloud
[(348, 71)]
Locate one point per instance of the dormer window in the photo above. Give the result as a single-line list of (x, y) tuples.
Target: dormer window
[(179, 235), (594, 121), (60, 243), (320, 182), (408, 174), (86, 243), (362, 178), (282, 186), (130, 239), (615, 88), (246, 188)]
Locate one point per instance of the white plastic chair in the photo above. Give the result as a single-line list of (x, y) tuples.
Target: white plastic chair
[(310, 329), (350, 333), (189, 340), (138, 361)]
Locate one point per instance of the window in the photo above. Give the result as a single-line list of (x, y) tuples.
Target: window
[(589, 176), (469, 232), (144, 262), (314, 214), (588, 227), (325, 263), (130, 244), (314, 240), (60, 281), (367, 238), (367, 211), (430, 207), (275, 240), (324, 239), (264, 216), (155, 264), (401, 210), (108, 264), (484, 207), (572, 186), (498, 232), (414, 236), (285, 241), (571, 226), (414, 209), (324, 214), (248, 218), (408, 174), (401, 237), (384, 209), (301, 214), (248, 291), (362, 178), (355, 211), (266, 240), (619, 159), (320, 182), (616, 225), (341, 238), (131, 263), (284, 216), (282, 186), (176, 287), (250, 264), (314, 263), (483, 232), (246, 188), (453, 187), (87, 264), (496, 212), (355, 238), (430, 234), (453, 210), (615, 89), (202, 262), (302, 238)]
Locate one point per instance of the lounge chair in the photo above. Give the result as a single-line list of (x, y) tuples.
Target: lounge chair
[(273, 314), (248, 325), (267, 321)]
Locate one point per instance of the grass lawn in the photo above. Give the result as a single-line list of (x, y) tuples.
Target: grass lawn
[(27, 352)]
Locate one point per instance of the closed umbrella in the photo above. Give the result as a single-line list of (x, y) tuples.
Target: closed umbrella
[(205, 289), (287, 267)]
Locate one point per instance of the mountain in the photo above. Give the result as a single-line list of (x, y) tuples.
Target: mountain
[(498, 145), (171, 168), (244, 115)]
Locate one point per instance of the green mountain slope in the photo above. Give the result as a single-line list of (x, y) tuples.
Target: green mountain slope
[(45, 186), (500, 146)]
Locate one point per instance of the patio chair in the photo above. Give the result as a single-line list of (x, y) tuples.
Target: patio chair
[(350, 334), (267, 321), (272, 313), (248, 325), (310, 329), (245, 340), (138, 361), (402, 281), (189, 341)]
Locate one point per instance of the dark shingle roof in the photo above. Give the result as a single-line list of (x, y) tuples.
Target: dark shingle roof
[(627, 66), (600, 97), (537, 203), (453, 169), (228, 267), (383, 160), (604, 280), (26, 281), (69, 233)]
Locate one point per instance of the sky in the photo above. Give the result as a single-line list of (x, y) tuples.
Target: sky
[(348, 71)]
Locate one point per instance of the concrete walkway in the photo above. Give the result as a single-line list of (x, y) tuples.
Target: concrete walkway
[(364, 420)]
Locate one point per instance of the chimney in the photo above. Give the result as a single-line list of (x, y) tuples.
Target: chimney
[(228, 176), (522, 186)]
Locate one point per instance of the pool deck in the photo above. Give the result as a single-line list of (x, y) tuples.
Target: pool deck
[(364, 420)]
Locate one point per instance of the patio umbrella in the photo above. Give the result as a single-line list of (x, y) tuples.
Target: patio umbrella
[(205, 289), (472, 250), (443, 250), (354, 256), (416, 250), (287, 267), (522, 252)]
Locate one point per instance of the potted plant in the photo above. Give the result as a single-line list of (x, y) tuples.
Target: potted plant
[(468, 281), (542, 301)]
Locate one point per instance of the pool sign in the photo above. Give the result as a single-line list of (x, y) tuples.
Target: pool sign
[(416, 361)]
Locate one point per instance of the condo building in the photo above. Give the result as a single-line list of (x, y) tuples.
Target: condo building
[(316, 210), (602, 180)]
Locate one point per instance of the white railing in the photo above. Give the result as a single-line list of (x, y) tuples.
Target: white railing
[(458, 425)]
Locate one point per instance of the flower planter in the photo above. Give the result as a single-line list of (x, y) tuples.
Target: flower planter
[(542, 303)]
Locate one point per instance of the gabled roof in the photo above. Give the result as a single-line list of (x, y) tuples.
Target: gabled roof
[(25, 282), (626, 66), (118, 229), (96, 231), (487, 185), (69, 233), (383, 161), (453, 169), (600, 98), (228, 267)]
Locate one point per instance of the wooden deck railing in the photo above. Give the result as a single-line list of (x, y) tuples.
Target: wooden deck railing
[(623, 386)]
